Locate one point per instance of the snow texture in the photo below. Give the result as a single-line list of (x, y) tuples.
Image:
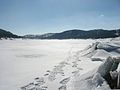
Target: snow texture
[(71, 67)]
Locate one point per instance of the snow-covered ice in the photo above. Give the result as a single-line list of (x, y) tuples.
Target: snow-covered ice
[(59, 64), (23, 60)]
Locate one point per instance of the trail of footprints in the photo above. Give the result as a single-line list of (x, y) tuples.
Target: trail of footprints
[(39, 83)]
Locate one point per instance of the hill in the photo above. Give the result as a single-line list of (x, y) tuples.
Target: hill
[(78, 34), (7, 34)]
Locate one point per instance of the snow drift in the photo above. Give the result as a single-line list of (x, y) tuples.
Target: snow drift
[(98, 79)]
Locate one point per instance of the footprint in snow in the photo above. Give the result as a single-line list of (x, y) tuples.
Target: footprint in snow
[(39, 81), (30, 86), (65, 81), (79, 68), (62, 88), (48, 71), (45, 87), (63, 74), (79, 60), (39, 88), (74, 65), (46, 74), (75, 72), (51, 77)]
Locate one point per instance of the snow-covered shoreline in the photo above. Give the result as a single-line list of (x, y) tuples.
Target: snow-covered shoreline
[(54, 64)]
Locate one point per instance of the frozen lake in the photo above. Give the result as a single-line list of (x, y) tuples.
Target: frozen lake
[(23, 60)]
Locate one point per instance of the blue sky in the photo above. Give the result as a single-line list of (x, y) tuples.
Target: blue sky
[(43, 16)]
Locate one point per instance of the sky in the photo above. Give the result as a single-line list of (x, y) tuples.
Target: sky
[(44, 16)]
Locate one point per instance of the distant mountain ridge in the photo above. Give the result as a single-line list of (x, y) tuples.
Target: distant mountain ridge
[(69, 34), (7, 34), (78, 34), (43, 36)]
